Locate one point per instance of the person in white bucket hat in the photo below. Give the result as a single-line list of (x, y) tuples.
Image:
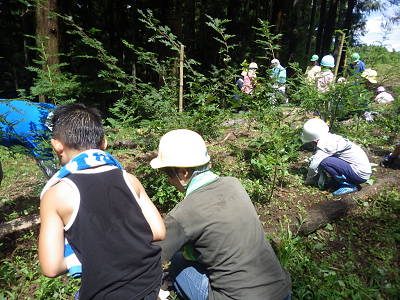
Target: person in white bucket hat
[(226, 253)]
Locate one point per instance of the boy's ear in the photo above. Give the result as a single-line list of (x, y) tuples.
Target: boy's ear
[(104, 145), (57, 145)]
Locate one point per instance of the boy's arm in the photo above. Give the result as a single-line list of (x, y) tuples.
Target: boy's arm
[(149, 210), (51, 236)]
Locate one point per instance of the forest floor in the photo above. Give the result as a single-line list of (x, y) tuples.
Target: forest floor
[(292, 204)]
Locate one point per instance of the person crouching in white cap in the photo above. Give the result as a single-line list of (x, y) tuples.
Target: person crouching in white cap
[(383, 96), (343, 160)]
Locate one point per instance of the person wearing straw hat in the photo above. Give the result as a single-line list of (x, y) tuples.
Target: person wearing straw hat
[(370, 77)]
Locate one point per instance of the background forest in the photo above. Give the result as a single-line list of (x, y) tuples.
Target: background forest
[(302, 28)]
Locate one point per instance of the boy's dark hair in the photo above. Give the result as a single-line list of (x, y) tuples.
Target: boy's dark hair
[(78, 127)]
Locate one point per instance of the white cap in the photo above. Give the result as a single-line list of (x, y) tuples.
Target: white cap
[(253, 65), (380, 89), (181, 148), (314, 129)]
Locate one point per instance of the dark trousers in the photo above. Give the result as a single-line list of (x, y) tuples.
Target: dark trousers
[(338, 167)]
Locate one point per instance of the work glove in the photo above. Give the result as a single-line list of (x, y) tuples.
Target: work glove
[(310, 181), (387, 162), (368, 117)]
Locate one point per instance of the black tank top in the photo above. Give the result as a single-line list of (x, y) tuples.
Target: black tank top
[(112, 239)]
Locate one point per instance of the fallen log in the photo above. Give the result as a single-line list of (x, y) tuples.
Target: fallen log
[(19, 224), (124, 144), (320, 214)]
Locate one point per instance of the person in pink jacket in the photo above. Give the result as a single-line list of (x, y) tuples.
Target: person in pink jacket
[(249, 79)]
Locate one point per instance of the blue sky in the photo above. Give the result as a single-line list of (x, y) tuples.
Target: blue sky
[(374, 34)]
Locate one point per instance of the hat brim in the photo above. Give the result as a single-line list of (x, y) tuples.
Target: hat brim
[(156, 163)]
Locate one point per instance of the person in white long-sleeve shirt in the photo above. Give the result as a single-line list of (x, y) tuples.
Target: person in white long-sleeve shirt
[(383, 96), (345, 161)]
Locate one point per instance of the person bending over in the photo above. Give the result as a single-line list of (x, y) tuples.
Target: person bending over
[(343, 160), (226, 253)]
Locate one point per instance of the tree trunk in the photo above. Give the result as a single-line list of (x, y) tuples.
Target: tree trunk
[(294, 33), (321, 26), (189, 28), (311, 28), (47, 26), (329, 27), (177, 30), (339, 25), (277, 19), (27, 58), (347, 26)]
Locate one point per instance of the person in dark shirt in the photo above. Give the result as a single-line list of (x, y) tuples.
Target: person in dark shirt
[(226, 253), (101, 212)]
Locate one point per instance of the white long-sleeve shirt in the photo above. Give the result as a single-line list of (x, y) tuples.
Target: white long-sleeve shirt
[(384, 97), (337, 146)]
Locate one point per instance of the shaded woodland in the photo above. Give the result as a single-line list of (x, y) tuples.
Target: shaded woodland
[(307, 27)]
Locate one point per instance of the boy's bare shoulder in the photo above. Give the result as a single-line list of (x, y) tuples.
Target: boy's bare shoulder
[(135, 183), (60, 192)]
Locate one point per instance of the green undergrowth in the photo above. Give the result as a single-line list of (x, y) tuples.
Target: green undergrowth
[(356, 258), (21, 277)]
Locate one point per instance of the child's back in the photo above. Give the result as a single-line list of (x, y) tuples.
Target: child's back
[(111, 238), (105, 216)]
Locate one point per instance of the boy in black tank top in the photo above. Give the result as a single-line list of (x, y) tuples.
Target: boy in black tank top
[(101, 212)]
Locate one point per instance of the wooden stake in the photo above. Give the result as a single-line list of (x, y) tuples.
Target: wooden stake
[(340, 54), (181, 81)]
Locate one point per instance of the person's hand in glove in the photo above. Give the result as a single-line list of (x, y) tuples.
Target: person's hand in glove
[(310, 181), (387, 162), (368, 117)]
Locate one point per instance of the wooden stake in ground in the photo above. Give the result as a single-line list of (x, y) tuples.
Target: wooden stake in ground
[(339, 55), (181, 81)]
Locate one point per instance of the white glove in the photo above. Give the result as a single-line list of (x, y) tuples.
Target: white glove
[(368, 117)]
